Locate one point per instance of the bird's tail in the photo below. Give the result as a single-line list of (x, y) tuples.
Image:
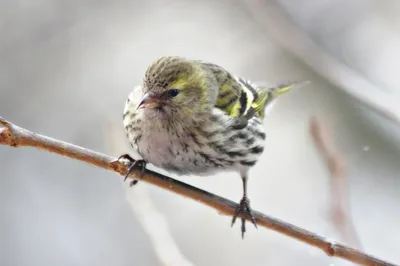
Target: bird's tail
[(267, 95)]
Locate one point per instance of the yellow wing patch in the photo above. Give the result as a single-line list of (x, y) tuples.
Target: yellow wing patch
[(244, 102), (239, 97)]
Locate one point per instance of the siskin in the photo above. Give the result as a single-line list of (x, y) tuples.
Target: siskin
[(194, 117)]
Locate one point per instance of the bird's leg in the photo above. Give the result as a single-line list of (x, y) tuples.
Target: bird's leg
[(133, 164), (244, 208)]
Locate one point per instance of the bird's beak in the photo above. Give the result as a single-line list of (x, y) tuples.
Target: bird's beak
[(149, 101)]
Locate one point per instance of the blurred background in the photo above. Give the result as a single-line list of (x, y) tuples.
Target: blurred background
[(66, 68)]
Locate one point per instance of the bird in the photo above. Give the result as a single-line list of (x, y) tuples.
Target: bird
[(193, 117)]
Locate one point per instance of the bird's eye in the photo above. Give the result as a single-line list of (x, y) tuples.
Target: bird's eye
[(173, 92)]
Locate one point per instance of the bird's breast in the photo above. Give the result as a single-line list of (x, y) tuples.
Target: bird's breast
[(199, 151)]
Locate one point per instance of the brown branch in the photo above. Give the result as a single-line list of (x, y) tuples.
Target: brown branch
[(340, 206), (15, 136)]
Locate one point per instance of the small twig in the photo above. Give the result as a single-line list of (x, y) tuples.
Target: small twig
[(16, 136), (340, 206)]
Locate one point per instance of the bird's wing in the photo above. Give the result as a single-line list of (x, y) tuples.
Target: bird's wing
[(247, 99)]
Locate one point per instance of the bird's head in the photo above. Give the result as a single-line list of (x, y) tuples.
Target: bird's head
[(177, 87)]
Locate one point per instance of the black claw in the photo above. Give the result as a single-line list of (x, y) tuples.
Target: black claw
[(140, 164), (243, 227), (127, 157), (134, 164), (244, 209), (133, 182)]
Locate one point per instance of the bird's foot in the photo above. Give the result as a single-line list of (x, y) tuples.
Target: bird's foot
[(245, 210), (133, 164)]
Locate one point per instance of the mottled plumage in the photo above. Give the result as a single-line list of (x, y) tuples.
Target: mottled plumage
[(194, 117)]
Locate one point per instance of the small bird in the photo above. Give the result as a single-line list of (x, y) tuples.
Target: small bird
[(191, 117)]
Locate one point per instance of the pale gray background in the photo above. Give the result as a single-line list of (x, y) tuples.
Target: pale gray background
[(66, 69)]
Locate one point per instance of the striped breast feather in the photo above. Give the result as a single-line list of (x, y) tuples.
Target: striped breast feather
[(255, 99)]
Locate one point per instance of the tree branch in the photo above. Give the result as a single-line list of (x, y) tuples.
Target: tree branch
[(15, 136), (271, 17), (340, 204)]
